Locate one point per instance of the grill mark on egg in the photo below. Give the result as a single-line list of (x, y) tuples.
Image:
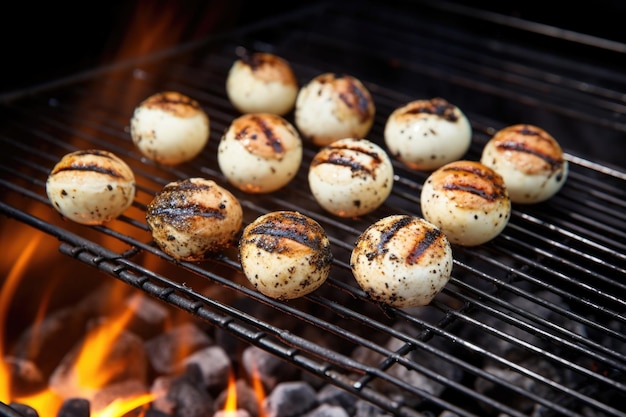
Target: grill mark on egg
[(437, 107), (245, 132), (184, 211), (338, 156), (386, 236), (430, 240), (355, 98), (270, 67), (491, 188), (92, 167), (172, 102), (173, 203), (287, 226), (545, 148)]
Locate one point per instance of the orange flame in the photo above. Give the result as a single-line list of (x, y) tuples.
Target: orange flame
[(8, 290), (259, 391), (230, 406)]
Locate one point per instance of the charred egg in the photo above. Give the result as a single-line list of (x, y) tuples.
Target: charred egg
[(332, 107), (262, 82), (192, 218), (468, 201), (529, 159), (402, 260), (169, 128), (427, 134), (285, 254), (260, 152), (91, 187), (351, 177)]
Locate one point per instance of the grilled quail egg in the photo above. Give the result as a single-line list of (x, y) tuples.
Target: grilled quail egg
[(468, 201), (262, 82), (351, 177), (169, 128), (332, 107), (285, 254), (529, 159), (192, 218), (427, 134), (91, 187), (260, 152), (402, 260)]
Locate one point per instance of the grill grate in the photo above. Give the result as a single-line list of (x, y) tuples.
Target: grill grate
[(531, 323)]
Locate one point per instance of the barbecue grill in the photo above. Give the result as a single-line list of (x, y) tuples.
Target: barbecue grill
[(531, 323)]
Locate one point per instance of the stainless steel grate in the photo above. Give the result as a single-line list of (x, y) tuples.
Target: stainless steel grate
[(531, 323)]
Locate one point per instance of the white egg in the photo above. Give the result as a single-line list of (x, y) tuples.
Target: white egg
[(427, 134), (91, 187), (169, 128), (332, 107), (260, 152), (403, 261), (262, 83), (530, 160), (193, 218), (351, 177), (468, 201), (285, 254)]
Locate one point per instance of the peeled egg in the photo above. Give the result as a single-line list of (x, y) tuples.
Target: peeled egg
[(529, 159), (91, 187), (285, 254), (260, 152), (169, 128), (402, 260), (332, 107), (468, 201), (351, 177), (192, 218), (262, 83), (427, 134)]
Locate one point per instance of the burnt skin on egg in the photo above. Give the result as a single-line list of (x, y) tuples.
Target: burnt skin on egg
[(427, 134), (91, 187), (262, 82), (192, 218), (402, 260), (332, 107), (529, 159), (285, 254), (468, 201), (260, 152), (351, 177)]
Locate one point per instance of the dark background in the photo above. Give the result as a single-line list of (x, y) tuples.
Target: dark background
[(44, 41)]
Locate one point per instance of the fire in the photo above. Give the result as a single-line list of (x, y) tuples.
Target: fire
[(259, 391), (8, 289), (230, 407), (91, 369)]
